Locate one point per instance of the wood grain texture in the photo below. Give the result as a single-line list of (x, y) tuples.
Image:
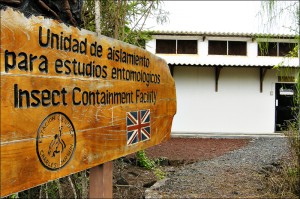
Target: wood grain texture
[(101, 181), (60, 119)]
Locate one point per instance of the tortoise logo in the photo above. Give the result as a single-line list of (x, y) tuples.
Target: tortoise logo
[(56, 141)]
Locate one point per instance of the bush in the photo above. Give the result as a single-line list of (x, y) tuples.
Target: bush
[(144, 161)]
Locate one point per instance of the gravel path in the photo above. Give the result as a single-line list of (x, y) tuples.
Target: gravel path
[(236, 174)]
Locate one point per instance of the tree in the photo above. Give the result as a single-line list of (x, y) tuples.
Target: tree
[(284, 14), (287, 12), (123, 19), (280, 14)]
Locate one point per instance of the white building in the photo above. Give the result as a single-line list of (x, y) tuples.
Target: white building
[(226, 84)]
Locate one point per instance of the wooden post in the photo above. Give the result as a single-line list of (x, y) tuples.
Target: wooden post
[(101, 185)]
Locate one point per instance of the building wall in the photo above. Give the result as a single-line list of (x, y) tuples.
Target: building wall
[(237, 107), (203, 58)]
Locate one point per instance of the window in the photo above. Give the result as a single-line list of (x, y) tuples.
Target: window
[(176, 46), (237, 48), (217, 47), (285, 48), (227, 47), (166, 46), (187, 47), (275, 48), (267, 49)]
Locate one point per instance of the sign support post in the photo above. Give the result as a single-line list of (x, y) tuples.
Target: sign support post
[(101, 185)]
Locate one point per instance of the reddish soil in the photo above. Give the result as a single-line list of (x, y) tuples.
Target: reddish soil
[(195, 148)]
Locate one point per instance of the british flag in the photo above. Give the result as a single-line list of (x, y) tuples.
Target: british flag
[(138, 126)]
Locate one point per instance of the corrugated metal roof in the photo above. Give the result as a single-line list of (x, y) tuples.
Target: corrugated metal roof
[(228, 34), (229, 61)]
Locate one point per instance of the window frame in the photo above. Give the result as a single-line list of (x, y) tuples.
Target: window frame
[(195, 49), (162, 49), (278, 52), (227, 47), (236, 43), (220, 43), (176, 46)]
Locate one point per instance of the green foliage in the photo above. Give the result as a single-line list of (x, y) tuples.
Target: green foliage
[(286, 183), (88, 15), (13, 196), (292, 170), (293, 134), (122, 19), (77, 178), (280, 14), (51, 189), (159, 173), (144, 161), (277, 14)]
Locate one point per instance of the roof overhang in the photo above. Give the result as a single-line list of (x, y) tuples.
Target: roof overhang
[(222, 34)]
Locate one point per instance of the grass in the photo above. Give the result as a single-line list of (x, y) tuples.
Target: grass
[(284, 181)]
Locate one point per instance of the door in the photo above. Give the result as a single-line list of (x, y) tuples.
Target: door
[(284, 103)]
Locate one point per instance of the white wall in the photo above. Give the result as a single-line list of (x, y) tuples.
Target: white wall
[(237, 107), (202, 58)]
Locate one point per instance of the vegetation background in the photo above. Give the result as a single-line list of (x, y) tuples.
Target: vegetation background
[(285, 182), (124, 20)]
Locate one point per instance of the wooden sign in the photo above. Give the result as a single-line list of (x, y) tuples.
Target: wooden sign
[(71, 100)]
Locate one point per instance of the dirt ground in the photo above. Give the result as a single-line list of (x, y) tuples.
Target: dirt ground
[(131, 180), (214, 178)]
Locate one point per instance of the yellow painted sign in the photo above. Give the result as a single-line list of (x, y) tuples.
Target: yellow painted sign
[(71, 100)]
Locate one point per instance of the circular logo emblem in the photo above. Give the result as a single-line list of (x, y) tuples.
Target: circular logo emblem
[(56, 141)]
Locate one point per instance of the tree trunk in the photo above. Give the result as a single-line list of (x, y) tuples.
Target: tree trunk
[(97, 17)]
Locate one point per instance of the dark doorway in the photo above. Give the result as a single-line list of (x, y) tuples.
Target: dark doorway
[(284, 110)]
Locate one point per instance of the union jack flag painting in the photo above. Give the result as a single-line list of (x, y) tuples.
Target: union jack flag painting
[(138, 126)]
